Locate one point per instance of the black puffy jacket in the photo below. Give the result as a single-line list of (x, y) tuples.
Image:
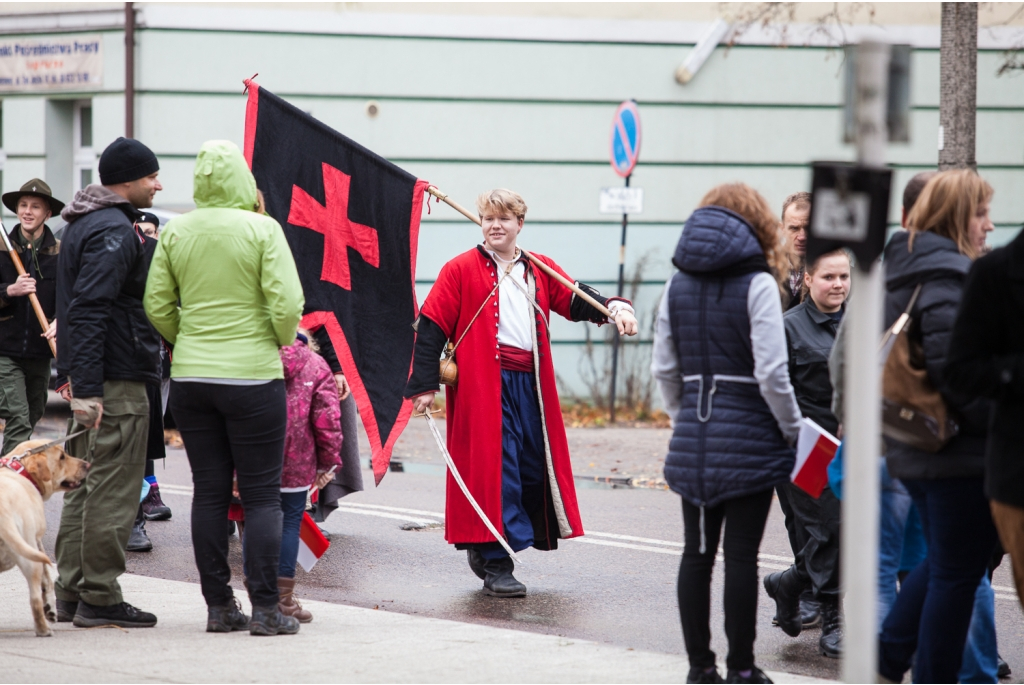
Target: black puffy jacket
[(19, 328), (935, 263), (810, 335), (103, 333)]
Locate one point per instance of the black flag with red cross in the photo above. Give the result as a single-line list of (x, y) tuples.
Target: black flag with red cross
[(352, 220)]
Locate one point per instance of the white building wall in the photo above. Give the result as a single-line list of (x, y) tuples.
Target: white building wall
[(526, 103)]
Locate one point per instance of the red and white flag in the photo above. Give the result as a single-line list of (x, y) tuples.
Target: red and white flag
[(814, 450), (312, 543)]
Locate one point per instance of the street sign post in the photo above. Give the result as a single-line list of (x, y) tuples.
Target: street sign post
[(849, 208), (624, 153)]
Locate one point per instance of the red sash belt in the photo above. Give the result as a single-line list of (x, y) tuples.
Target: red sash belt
[(515, 359)]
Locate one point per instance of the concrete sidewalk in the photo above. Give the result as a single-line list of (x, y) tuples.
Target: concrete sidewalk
[(342, 644)]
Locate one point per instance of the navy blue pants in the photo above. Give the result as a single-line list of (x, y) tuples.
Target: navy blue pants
[(523, 464), (932, 612), (293, 506)]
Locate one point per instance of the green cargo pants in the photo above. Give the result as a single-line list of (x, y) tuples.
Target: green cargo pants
[(23, 384), (97, 517)]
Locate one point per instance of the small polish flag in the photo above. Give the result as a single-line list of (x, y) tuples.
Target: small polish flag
[(312, 543), (814, 450)]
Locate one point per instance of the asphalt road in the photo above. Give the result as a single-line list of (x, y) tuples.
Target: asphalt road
[(616, 585)]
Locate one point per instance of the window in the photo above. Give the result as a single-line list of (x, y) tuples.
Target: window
[(85, 158)]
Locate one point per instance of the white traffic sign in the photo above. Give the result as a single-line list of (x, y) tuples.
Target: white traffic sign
[(841, 216), (622, 201)]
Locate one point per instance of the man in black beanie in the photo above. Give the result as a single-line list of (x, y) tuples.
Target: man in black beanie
[(108, 352)]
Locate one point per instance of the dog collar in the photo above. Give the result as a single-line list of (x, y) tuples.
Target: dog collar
[(19, 468)]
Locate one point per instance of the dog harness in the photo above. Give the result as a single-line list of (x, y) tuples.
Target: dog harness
[(15, 465)]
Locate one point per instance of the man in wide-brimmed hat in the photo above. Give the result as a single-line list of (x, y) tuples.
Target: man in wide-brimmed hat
[(24, 351)]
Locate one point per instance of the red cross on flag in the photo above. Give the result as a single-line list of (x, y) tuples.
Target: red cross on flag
[(352, 220)]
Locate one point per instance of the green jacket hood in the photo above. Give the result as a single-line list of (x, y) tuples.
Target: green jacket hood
[(222, 178)]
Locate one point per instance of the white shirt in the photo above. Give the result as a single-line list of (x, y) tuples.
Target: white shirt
[(514, 318)]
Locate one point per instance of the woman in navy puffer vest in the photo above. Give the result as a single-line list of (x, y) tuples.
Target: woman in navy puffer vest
[(721, 362)]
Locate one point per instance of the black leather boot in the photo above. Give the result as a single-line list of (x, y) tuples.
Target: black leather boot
[(810, 610), (270, 621), (476, 563), (138, 541), (831, 640), (499, 581), (784, 587), (226, 618)]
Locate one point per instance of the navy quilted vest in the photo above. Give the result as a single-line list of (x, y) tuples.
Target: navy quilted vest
[(726, 443)]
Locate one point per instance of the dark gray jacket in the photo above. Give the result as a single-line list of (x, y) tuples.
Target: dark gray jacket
[(810, 335), (935, 263)]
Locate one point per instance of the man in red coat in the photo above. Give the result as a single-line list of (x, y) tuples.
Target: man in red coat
[(506, 438)]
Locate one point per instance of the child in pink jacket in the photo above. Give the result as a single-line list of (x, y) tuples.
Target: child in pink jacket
[(312, 447)]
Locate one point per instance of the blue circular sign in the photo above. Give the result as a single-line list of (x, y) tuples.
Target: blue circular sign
[(625, 144)]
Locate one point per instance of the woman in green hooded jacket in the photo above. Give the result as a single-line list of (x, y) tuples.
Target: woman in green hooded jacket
[(224, 290)]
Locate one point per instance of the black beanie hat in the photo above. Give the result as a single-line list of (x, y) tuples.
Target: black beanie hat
[(126, 159)]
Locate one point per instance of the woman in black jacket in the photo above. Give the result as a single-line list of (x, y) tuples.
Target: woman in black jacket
[(986, 359), (931, 616), (813, 522)]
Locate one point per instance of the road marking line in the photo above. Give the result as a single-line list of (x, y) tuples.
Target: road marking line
[(402, 514), (395, 509), (633, 538), (626, 545), (382, 514)]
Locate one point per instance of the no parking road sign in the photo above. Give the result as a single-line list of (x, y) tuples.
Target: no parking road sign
[(625, 144)]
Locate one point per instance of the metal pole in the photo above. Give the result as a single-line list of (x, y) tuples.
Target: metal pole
[(615, 343), (129, 70), (863, 415)]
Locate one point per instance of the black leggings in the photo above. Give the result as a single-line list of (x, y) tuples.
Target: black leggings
[(227, 429), (744, 518)]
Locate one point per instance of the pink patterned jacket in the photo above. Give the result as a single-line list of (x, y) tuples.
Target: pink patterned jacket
[(313, 441)]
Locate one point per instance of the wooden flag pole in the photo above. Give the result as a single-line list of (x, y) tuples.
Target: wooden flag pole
[(540, 265), (36, 307)]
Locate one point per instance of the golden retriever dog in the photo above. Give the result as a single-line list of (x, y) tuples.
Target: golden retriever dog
[(23, 521)]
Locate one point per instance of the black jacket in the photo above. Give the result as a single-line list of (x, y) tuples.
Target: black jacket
[(937, 264), (986, 359), (20, 330), (103, 332), (810, 335)]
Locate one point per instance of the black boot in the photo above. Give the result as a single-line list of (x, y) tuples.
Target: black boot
[(66, 610), (138, 541), (784, 588), (699, 675), (227, 618), (270, 621), (756, 676), (831, 640), (153, 507), (476, 563), (498, 580), (810, 610)]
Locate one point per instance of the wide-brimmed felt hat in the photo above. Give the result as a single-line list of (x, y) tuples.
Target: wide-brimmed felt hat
[(36, 188)]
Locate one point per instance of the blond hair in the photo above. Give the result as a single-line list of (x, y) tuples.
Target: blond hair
[(501, 201), (751, 205), (946, 206)]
